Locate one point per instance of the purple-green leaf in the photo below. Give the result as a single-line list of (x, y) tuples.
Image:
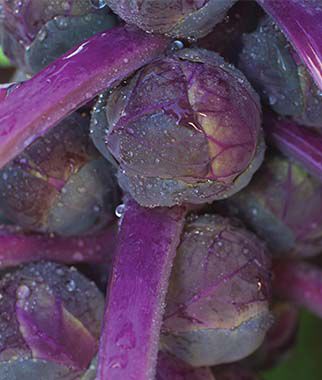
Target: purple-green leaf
[(148, 240), (35, 106), (300, 20), (51, 332)]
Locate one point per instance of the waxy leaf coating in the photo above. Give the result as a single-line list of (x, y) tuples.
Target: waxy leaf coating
[(283, 206), (218, 298), (50, 315), (60, 183), (176, 18), (186, 128)]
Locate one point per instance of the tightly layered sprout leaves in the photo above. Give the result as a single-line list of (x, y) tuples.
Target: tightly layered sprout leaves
[(186, 128), (35, 33), (176, 18), (60, 183), (219, 312), (274, 68), (160, 113), (50, 322), (267, 205)]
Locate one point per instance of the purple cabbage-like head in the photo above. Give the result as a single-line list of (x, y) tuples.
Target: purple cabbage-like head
[(175, 18), (186, 128), (273, 67), (217, 308), (283, 206), (50, 319), (60, 183), (36, 32)]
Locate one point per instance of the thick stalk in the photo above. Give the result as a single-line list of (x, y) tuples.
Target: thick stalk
[(33, 107), (17, 247), (148, 239), (300, 20)]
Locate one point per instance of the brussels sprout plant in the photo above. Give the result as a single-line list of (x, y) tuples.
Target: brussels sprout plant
[(191, 292)]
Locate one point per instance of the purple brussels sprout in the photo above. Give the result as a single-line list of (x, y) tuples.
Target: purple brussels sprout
[(277, 73), (60, 183), (185, 128), (175, 18), (218, 297), (283, 206), (50, 318), (36, 32)]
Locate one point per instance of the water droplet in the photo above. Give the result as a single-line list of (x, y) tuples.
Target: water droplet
[(177, 45), (71, 285), (23, 292), (126, 338), (119, 211), (272, 100), (61, 22), (42, 35), (98, 4)]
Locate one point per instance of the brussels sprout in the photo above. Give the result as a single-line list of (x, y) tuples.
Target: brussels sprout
[(49, 323), (176, 18), (60, 183), (275, 70), (185, 128), (218, 297), (283, 206), (36, 32)]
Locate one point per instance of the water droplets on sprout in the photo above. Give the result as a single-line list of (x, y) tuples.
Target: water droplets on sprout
[(98, 4)]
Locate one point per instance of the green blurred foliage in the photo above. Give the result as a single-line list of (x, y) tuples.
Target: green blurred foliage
[(305, 361), (4, 61)]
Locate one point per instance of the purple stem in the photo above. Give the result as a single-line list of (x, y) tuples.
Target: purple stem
[(17, 247), (299, 282), (148, 239), (301, 143), (300, 20), (33, 107)]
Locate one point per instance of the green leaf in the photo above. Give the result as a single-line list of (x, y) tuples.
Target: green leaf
[(4, 61)]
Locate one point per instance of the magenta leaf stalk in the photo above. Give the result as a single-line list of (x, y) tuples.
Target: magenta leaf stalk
[(148, 239), (299, 282), (301, 143), (33, 107), (300, 20), (18, 247)]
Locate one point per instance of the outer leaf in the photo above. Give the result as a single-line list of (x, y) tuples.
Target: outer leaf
[(147, 245), (65, 340), (300, 20), (218, 298), (70, 82), (300, 143), (17, 247), (300, 283)]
